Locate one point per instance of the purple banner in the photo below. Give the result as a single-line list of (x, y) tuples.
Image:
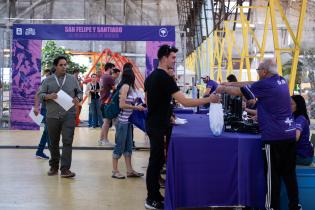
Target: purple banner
[(93, 32), (151, 59), (26, 77)]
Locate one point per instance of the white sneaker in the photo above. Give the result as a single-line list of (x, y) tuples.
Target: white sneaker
[(105, 143)]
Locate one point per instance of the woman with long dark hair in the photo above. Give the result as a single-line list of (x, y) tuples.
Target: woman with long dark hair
[(304, 148), (123, 136)]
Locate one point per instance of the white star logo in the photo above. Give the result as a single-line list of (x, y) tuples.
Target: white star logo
[(288, 121)]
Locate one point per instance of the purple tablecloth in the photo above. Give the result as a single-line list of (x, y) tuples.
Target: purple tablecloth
[(204, 170), (190, 111)]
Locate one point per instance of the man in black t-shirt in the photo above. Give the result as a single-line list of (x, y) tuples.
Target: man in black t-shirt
[(160, 87)]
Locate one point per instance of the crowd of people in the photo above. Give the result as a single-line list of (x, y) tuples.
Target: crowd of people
[(283, 120)]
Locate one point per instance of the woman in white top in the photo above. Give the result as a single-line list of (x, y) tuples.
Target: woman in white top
[(123, 136)]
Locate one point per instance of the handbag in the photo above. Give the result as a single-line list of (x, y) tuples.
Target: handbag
[(112, 109)]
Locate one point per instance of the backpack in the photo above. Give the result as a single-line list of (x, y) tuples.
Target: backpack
[(112, 109)]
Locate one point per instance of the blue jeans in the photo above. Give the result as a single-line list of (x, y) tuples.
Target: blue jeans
[(96, 112), (90, 117), (123, 140), (44, 139)]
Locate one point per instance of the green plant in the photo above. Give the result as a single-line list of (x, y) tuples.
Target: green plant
[(51, 51)]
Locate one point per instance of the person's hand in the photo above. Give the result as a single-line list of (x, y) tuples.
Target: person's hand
[(139, 108), (252, 101), (76, 101), (214, 98), (52, 96), (254, 118), (36, 111), (220, 89), (173, 120), (243, 105)]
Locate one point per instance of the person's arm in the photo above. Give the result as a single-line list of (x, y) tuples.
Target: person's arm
[(298, 135), (43, 92), (36, 104), (207, 92), (145, 98), (237, 84), (235, 91), (299, 123), (88, 89), (189, 102), (122, 99), (78, 94), (251, 111)]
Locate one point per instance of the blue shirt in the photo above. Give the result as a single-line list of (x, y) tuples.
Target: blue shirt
[(273, 108), (213, 85), (304, 147)]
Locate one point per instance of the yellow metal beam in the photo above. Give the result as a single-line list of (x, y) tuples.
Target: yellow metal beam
[(297, 47), (275, 34), (266, 26), (245, 26), (286, 22)]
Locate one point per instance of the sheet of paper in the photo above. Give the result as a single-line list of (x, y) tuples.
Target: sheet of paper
[(64, 100), (37, 119)]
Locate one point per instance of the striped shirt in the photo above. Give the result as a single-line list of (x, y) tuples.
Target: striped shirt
[(124, 114)]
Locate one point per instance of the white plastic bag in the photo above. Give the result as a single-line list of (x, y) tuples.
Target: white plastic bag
[(216, 118)]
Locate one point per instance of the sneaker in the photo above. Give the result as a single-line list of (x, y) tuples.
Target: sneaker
[(300, 207), (153, 204), (67, 174), (105, 143), (52, 171), (41, 156)]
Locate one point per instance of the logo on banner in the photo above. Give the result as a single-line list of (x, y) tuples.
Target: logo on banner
[(30, 31), (163, 32), (19, 31)]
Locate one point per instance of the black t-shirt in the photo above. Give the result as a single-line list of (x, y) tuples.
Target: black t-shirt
[(95, 95), (159, 87)]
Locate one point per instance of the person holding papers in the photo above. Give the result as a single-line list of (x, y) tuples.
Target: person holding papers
[(62, 93)]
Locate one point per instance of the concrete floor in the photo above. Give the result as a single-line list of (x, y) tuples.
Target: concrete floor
[(25, 185)]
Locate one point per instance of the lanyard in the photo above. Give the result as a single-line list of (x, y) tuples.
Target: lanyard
[(63, 82)]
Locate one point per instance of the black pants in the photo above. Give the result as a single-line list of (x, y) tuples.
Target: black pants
[(280, 163), (64, 126), (156, 161)]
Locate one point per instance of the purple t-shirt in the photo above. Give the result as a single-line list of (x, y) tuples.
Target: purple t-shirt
[(213, 85), (304, 147), (273, 108), (108, 83)]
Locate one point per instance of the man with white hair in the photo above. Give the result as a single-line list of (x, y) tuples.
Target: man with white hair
[(277, 129)]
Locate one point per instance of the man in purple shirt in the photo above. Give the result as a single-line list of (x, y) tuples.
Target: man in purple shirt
[(211, 85), (277, 129)]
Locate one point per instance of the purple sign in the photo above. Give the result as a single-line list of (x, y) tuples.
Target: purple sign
[(93, 32), (151, 55), (26, 76), (26, 58)]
